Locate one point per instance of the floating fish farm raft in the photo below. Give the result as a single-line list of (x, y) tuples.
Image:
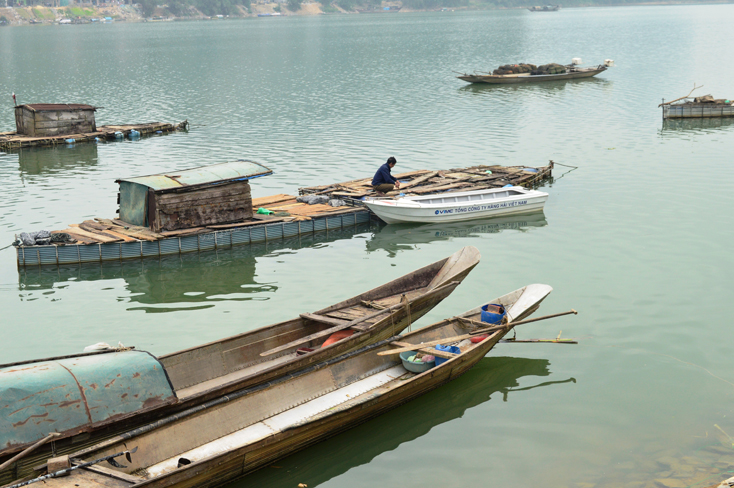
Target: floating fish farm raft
[(10, 141), (143, 230)]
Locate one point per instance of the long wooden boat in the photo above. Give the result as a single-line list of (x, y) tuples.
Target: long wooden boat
[(458, 206), (88, 397), (239, 433), (573, 73)]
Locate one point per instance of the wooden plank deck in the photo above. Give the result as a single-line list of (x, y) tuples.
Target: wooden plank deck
[(12, 141), (113, 239), (425, 182)]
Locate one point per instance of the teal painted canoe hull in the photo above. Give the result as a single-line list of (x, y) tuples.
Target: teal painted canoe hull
[(75, 395)]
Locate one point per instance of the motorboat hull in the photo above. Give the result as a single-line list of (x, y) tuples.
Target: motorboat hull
[(464, 207)]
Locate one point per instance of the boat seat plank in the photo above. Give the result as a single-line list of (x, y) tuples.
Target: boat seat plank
[(184, 393), (351, 313), (426, 350), (323, 319), (280, 422)]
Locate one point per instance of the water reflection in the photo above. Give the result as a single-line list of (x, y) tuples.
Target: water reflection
[(190, 281), (407, 423), (702, 124), (402, 237), (45, 160)]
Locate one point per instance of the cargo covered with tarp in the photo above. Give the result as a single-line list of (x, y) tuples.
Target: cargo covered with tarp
[(207, 195), (77, 394), (533, 70)]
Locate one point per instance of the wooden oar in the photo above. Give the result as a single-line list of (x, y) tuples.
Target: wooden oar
[(23, 454), (471, 334), (539, 341), (557, 340), (328, 332)]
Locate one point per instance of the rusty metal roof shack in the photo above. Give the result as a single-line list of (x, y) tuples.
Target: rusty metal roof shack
[(207, 195), (54, 119)]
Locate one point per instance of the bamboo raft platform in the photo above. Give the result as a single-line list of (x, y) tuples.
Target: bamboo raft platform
[(12, 140), (115, 240), (424, 182)]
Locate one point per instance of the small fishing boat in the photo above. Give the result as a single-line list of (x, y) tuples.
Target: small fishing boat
[(571, 72), (87, 397), (458, 206), (239, 433), (545, 8)]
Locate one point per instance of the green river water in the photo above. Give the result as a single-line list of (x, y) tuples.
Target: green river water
[(637, 239)]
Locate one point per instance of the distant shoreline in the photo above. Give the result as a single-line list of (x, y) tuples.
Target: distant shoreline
[(36, 15)]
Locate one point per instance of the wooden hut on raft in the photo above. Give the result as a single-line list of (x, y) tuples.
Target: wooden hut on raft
[(191, 198), (54, 119)]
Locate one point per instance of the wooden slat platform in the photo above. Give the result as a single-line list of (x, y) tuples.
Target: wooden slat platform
[(12, 140), (425, 182)]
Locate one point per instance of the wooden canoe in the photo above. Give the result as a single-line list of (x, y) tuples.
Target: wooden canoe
[(201, 373), (237, 434)]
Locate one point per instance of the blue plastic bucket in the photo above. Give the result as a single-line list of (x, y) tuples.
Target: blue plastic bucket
[(453, 349), (491, 316)]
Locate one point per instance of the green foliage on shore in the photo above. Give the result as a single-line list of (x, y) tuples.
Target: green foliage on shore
[(79, 12), (180, 8), (358, 4), (294, 5)]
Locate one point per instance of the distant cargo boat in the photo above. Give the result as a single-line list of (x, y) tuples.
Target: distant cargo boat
[(458, 206), (700, 107), (545, 8), (383, 10), (529, 73)]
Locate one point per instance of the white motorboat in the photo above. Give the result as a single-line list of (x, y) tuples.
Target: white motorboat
[(458, 206)]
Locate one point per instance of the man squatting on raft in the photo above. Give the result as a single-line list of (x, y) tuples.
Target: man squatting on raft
[(383, 181)]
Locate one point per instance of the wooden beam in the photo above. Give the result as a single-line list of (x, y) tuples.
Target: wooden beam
[(323, 319), (473, 333), (327, 332), (427, 350)]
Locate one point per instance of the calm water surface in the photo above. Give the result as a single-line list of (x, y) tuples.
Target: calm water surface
[(638, 238)]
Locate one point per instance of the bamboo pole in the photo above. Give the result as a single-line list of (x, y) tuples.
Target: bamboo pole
[(681, 98), (28, 450), (473, 333)]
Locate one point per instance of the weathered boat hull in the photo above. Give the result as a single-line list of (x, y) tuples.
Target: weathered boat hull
[(329, 398), (458, 207), (78, 394), (231, 364), (506, 80), (697, 111)]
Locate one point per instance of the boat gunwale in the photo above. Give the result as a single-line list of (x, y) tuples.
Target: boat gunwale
[(525, 193)]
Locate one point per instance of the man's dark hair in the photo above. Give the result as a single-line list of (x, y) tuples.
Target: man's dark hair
[(391, 160)]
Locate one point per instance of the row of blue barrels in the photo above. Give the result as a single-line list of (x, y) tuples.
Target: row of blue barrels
[(134, 134), (113, 251)]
